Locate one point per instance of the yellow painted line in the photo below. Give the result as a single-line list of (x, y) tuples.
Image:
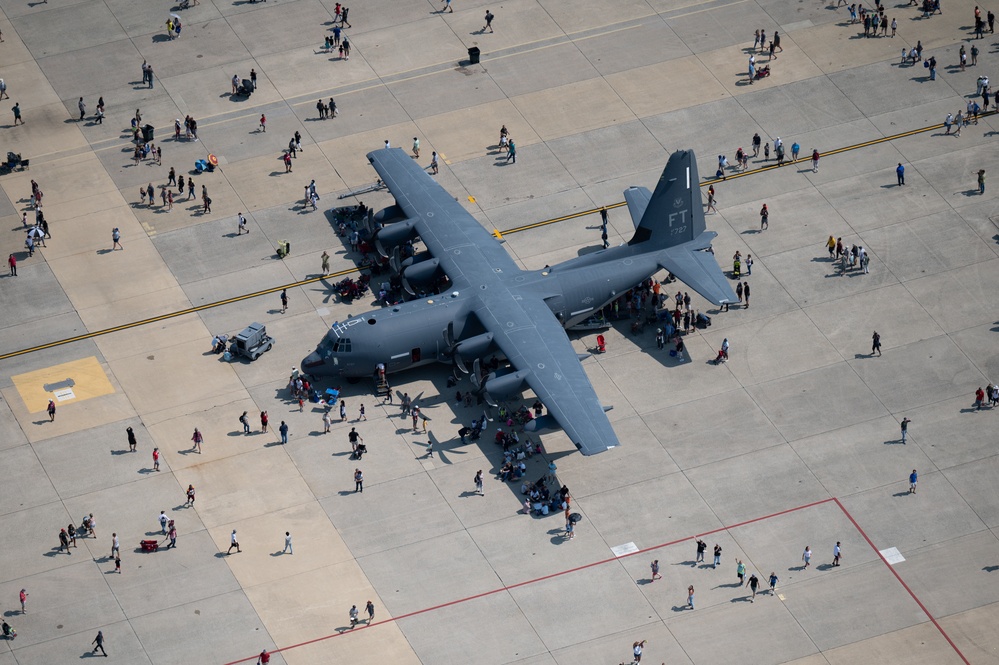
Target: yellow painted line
[(173, 315), (518, 229)]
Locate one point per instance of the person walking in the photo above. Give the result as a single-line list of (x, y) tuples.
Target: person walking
[(12, 262), (24, 599), (690, 596), (416, 147), (636, 650), (130, 435), (245, 422), (287, 543), (327, 422), (52, 410), (156, 459), (358, 481), (172, 536), (190, 496), (370, 609), (876, 343), (837, 553), (284, 301), (433, 163), (815, 160), (197, 439), (64, 541), (116, 239), (326, 262), (753, 584), (353, 436), (99, 640), (904, 425), (806, 556), (913, 479), (718, 553), (981, 181), (900, 174), (163, 519), (764, 217), (17, 113), (773, 583), (489, 21), (241, 224), (82, 107), (655, 570), (233, 542), (283, 431), (740, 571), (478, 482)]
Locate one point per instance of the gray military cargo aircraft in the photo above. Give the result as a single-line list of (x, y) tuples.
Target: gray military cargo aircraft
[(492, 306)]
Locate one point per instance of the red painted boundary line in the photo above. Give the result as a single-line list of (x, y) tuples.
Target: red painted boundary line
[(567, 572), (901, 581)]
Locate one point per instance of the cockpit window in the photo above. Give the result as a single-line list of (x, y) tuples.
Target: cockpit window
[(330, 346)]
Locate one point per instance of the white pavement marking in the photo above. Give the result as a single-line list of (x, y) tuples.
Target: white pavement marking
[(64, 394), (892, 555), (627, 548)]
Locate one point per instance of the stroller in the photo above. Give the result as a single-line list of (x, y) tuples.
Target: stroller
[(763, 72), (359, 451), (245, 88)]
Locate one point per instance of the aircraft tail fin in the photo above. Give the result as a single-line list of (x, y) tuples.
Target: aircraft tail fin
[(674, 214)]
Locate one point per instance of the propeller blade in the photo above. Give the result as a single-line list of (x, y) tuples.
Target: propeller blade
[(459, 362)]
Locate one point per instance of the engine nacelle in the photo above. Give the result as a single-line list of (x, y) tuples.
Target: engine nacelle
[(502, 388), (542, 424), (472, 348), (389, 215), (390, 236), (420, 274)]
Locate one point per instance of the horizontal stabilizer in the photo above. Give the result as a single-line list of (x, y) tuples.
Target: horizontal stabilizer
[(638, 200), (698, 269)]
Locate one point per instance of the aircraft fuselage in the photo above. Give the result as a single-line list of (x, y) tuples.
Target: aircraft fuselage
[(413, 333)]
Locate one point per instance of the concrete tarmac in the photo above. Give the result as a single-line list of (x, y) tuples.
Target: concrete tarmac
[(794, 442)]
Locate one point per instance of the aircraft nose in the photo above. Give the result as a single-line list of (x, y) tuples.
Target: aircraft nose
[(312, 360)]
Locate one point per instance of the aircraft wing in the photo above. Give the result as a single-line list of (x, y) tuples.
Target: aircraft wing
[(534, 341), (696, 267), (450, 233)]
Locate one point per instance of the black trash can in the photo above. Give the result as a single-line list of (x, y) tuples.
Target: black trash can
[(147, 133), (473, 55)]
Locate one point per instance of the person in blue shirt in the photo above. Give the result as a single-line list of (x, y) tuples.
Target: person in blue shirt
[(900, 172), (913, 477)]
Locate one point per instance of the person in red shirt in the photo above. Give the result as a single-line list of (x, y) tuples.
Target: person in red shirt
[(156, 459), (979, 398), (264, 658), (12, 262)]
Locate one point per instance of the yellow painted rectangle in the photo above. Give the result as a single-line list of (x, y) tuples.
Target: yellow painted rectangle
[(88, 378)]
